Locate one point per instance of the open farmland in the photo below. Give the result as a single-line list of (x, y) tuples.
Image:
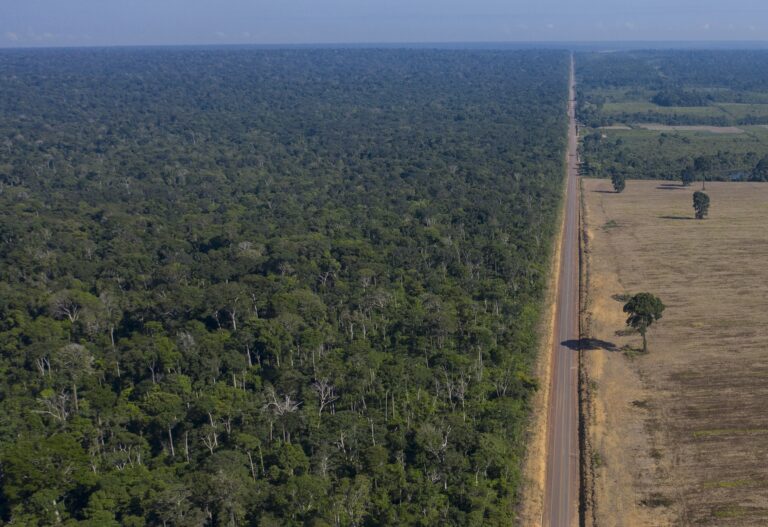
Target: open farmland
[(680, 435)]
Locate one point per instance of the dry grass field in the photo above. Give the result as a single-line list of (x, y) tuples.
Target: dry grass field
[(680, 435)]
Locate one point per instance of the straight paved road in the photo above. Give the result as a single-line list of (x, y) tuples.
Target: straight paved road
[(562, 485)]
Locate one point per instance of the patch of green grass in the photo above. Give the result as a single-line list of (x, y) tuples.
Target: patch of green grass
[(618, 108), (727, 484), (689, 142), (733, 511), (729, 431), (630, 352), (740, 111), (610, 225)]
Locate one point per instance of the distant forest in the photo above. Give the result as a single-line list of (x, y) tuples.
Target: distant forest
[(689, 88), (244, 287), (693, 78)]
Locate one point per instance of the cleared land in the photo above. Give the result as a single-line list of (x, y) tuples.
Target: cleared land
[(681, 143), (649, 107), (692, 128), (680, 435), (728, 111)]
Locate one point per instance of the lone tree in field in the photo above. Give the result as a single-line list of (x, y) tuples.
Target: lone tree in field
[(618, 181), (643, 309), (700, 204), (687, 176)]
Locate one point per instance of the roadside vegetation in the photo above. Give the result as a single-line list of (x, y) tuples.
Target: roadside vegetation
[(244, 287)]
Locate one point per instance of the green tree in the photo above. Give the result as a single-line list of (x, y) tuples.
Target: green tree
[(643, 310), (618, 181), (700, 204), (687, 176), (760, 172)]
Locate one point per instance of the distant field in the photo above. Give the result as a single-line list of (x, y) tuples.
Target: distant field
[(682, 142), (618, 108), (731, 112), (742, 111), (692, 128), (680, 434)]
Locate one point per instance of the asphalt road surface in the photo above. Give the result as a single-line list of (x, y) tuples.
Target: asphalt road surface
[(562, 484)]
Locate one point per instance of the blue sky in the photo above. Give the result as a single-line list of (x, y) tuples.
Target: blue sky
[(26, 23)]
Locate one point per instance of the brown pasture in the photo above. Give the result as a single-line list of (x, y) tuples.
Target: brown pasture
[(679, 435)]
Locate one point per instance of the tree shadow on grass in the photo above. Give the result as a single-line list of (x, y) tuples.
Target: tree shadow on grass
[(589, 344), (669, 186), (605, 191), (676, 218)]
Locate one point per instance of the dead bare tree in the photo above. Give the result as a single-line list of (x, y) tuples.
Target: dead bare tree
[(56, 405), (325, 393)]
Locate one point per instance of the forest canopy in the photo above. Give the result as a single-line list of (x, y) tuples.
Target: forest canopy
[(249, 287)]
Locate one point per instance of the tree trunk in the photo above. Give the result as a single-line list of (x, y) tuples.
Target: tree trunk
[(253, 468), (170, 438)]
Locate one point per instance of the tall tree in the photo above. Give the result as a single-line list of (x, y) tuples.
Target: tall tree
[(618, 180), (687, 176), (760, 172), (700, 204), (643, 310)]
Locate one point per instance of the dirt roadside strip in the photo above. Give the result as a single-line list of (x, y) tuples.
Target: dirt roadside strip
[(535, 464), (587, 491)]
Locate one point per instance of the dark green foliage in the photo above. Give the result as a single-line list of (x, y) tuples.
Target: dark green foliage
[(760, 172), (618, 181), (643, 309), (679, 97), (244, 287), (700, 204), (687, 176)]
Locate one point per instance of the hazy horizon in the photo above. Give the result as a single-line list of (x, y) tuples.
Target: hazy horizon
[(49, 23)]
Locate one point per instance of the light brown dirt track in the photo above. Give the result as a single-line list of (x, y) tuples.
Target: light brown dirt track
[(680, 435)]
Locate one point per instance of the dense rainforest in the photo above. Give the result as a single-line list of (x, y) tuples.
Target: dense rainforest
[(272, 287)]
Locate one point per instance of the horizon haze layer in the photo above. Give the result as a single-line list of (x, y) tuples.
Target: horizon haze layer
[(47, 23)]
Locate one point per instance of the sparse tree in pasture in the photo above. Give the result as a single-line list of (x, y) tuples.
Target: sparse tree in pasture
[(700, 204), (643, 310), (618, 181), (687, 176)]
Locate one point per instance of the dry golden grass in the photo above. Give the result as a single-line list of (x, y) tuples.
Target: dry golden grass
[(680, 434)]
